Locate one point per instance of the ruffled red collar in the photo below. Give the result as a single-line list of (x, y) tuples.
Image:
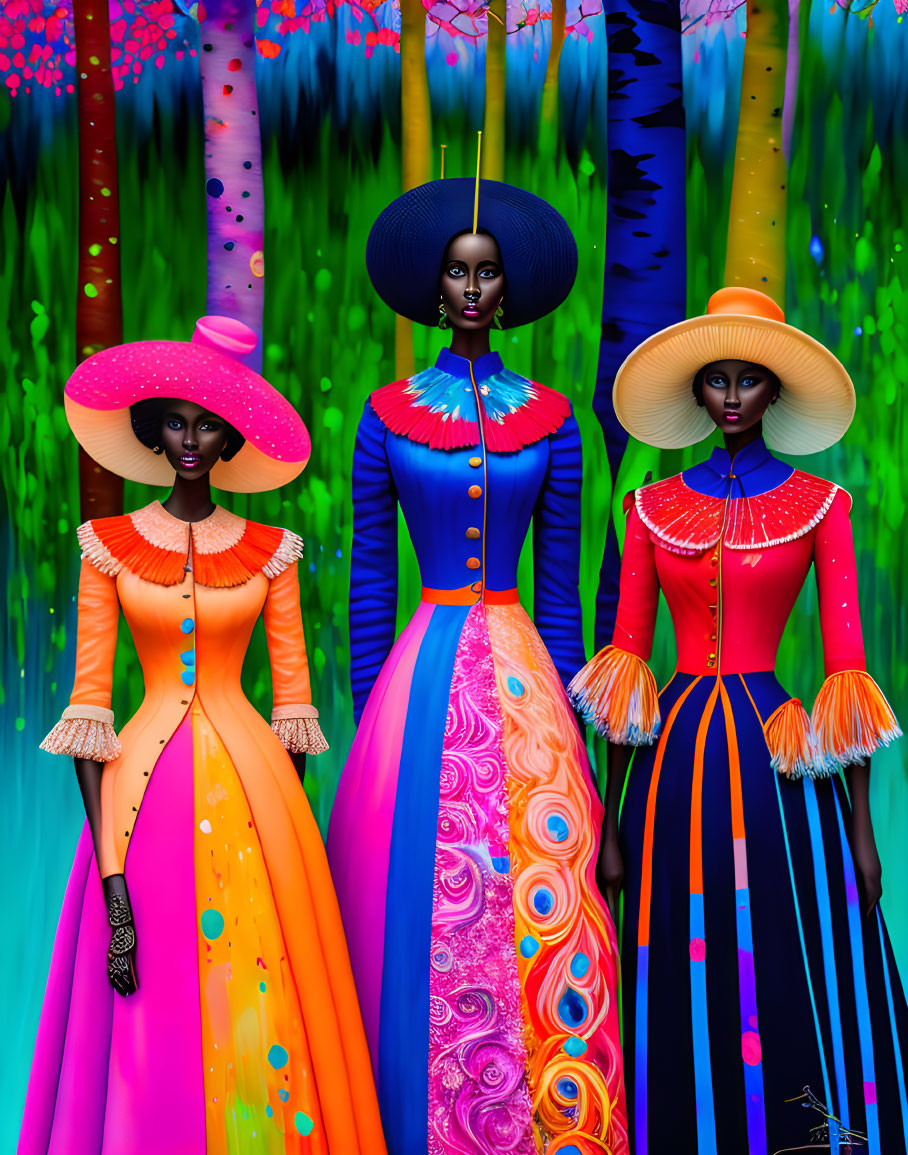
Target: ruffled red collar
[(226, 550), (438, 407), (687, 522)]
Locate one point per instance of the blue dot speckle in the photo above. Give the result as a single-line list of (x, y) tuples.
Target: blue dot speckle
[(567, 1088), (214, 187), (515, 686), (187, 625), (212, 923), (543, 900), (278, 1057), (283, 1094), (575, 1046), (269, 1111), (528, 946), (572, 1008), (263, 987), (247, 164), (229, 246), (187, 677), (557, 827), (580, 964), (188, 658)]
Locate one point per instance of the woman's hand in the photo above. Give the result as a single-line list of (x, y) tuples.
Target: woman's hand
[(867, 863), (610, 871), (863, 844), (121, 955)]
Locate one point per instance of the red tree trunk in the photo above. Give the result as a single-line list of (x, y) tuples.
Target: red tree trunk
[(99, 310)]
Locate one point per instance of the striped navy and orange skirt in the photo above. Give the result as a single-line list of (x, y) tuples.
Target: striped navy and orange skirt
[(762, 1011)]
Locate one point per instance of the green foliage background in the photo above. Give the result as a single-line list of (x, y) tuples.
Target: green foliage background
[(329, 341)]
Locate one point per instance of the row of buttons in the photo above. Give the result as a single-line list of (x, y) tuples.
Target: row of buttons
[(714, 610), (473, 534)]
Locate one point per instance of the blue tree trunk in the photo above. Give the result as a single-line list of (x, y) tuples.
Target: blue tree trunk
[(645, 247)]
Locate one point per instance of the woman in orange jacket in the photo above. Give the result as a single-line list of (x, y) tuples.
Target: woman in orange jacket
[(211, 902)]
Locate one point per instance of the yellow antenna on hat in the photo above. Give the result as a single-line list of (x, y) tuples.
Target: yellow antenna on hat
[(443, 147), (476, 193)]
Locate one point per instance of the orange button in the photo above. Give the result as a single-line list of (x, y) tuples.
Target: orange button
[(475, 491), (472, 533), (476, 462), (473, 563), (476, 587)]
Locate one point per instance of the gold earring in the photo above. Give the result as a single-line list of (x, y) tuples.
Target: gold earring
[(499, 313), (443, 321)]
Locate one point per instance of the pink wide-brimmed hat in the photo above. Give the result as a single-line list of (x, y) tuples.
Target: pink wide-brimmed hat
[(206, 370)]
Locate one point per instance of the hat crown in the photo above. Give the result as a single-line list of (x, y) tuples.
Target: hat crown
[(739, 301), (225, 334)]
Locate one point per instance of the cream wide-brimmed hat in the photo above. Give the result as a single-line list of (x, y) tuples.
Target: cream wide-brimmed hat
[(653, 397)]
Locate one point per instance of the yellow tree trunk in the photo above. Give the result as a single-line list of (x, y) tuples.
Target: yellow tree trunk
[(493, 122), (415, 138), (548, 120), (756, 226)]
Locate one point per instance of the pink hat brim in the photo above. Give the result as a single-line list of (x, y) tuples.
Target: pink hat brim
[(98, 395)]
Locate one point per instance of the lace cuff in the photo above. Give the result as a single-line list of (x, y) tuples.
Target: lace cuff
[(84, 732), (298, 729), (851, 718), (616, 692)]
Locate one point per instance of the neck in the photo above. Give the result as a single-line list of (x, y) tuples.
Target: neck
[(734, 442), (190, 500), (470, 344)]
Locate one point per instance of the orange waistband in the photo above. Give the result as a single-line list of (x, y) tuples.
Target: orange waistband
[(469, 595)]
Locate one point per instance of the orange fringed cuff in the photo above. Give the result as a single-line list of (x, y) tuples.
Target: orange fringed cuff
[(84, 732), (616, 692), (790, 741), (298, 729), (851, 718)]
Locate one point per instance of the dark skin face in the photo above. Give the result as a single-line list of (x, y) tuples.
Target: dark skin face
[(736, 394), (472, 286), (193, 439)]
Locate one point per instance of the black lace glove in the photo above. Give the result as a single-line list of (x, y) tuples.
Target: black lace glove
[(121, 955)]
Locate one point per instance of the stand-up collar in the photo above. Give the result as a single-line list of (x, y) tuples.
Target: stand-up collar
[(485, 366), (753, 470)]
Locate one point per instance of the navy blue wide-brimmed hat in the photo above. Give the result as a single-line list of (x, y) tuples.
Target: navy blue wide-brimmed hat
[(407, 245)]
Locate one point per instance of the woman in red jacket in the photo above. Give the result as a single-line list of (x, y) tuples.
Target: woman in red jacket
[(758, 978)]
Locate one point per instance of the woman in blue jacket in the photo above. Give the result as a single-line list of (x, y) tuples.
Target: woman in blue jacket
[(465, 831)]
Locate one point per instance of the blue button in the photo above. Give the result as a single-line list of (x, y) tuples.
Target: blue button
[(187, 625), (575, 1046), (187, 677), (528, 946), (188, 659)]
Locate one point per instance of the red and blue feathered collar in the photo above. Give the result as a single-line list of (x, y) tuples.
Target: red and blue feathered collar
[(226, 550), (686, 521), (437, 407)]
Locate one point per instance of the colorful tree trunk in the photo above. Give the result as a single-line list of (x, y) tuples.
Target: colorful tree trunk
[(548, 119), (416, 134), (99, 310), (233, 166), (493, 121), (645, 249), (756, 225)]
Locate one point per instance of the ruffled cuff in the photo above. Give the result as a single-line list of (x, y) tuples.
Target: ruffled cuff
[(851, 718), (84, 732), (616, 692), (790, 741), (298, 729)]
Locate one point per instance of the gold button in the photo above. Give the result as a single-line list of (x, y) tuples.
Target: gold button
[(472, 533), (476, 462), (710, 664), (712, 582), (712, 657), (712, 637), (473, 563), (475, 491)]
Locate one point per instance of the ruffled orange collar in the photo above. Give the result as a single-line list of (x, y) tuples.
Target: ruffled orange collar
[(226, 550), (688, 522)]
